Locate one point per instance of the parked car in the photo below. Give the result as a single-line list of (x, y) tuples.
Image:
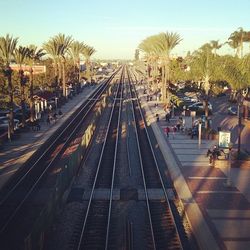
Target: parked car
[(198, 106), (202, 119), (4, 113), (4, 123), (232, 110)]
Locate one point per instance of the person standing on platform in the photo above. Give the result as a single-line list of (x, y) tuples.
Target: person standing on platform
[(48, 120), (167, 130)]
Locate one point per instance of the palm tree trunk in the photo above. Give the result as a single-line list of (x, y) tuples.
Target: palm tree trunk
[(60, 72), (164, 83), (239, 128), (167, 80), (8, 74), (64, 78), (11, 103), (32, 106), (79, 71), (206, 112), (88, 70), (22, 95), (241, 48)]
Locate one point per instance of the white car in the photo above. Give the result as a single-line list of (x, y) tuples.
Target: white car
[(4, 123), (198, 106)]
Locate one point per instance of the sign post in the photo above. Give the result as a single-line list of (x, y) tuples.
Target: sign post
[(225, 143), (229, 182), (224, 139)]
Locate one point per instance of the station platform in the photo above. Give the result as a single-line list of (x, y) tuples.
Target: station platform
[(14, 153), (219, 214)]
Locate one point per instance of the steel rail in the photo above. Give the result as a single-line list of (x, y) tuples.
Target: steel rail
[(97, 172), (114, 163), (157, 168), (142, 171), (50, 146), (99, 92)]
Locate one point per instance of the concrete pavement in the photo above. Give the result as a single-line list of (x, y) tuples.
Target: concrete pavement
[(219, 215)]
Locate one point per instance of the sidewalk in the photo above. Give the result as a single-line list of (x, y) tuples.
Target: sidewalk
[(219, 215), (16, 152)]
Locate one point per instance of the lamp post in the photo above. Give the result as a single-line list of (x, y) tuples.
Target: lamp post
[(56, 99), (9, 131), (199, 128), (228, 182), (8, 73), (184, 110), (240, 99)]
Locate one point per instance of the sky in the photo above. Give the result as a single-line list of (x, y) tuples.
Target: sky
[(115, 28)]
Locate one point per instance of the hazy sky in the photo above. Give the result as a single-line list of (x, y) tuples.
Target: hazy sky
[(115, 28)]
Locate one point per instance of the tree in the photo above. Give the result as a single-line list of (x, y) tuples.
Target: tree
[(75, 51), (236, 73), (137, 54), (21, 54), (35, 55), (165, 43), (160, 46), (236, 39), (205, 66), (63, 42), (215, 46), (7, 48), (52, 48), (88, 51)]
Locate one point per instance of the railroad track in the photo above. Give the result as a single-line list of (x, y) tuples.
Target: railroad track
[(163, 229), (17, 195), (101, 225), (94, 233)]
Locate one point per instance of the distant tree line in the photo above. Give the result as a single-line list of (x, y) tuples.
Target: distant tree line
[(61, 55)]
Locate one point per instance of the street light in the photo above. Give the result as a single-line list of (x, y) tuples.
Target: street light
[(199, 128), (240, 99), (228, 182), (9, 130), (56, 99)]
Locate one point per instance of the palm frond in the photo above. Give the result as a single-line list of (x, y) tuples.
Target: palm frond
[(7, 48)]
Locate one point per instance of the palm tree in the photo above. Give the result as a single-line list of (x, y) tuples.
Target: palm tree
[(137, 54), (87, 52), (7, 48), (20, 55), (238, 37), (204, 66), (164, 44), (215, 45), (63, 42), (52, 49), (35, 55), (234, 44), (159, 47), (236, 73), (247, 37), (152, 57), (76, 49)]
